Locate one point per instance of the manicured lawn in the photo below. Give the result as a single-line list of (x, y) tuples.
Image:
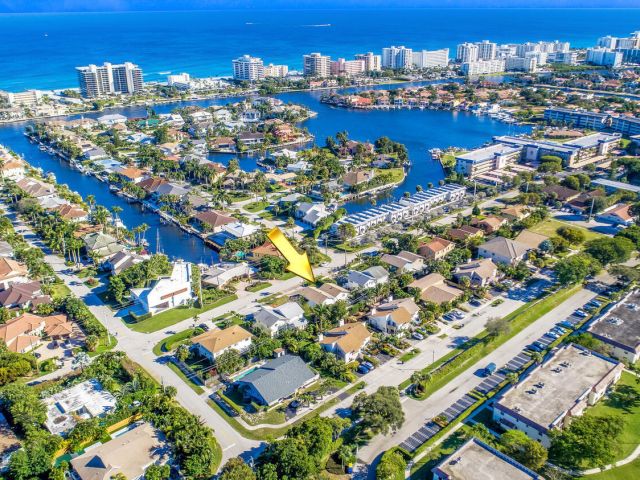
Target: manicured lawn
[(352, 248), (175, 315), (255, 207), (172, 341), (274, 300), (397, 174), (258, 286), (551, 225), (59, 291), (409, 355), (626, 472), (106, 343), (630, 438)]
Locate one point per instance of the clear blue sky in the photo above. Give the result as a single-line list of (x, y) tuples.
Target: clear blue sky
[(19, 6)]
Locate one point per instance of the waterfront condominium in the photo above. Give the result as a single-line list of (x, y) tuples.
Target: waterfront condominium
[(276, 71), (108, 79), (248, 68), (467, 52), (431, 58), (316, 65), (342, 67), (483, 67), (397, 58), (604, 57), (486, 50), (372, 63)]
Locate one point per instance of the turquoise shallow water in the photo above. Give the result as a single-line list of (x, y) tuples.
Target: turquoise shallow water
[(41, 50)]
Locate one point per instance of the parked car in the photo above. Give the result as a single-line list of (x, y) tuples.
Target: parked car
[(204, 327), (489, 369), (581, 313), (565, 324), (552, 335), (369, 365), (417, 336), (362, 369), (535, 348)]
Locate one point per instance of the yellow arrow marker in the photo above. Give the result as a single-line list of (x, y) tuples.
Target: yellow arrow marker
[(298, 262)]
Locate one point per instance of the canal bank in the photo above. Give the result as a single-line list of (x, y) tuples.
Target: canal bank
[(417, 130)]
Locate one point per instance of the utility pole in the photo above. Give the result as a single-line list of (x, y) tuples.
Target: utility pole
[(593, 200)]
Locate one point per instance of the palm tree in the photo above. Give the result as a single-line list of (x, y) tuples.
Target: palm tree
[(100, 216), (512, 378)]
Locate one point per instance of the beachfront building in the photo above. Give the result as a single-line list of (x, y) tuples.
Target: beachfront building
[(276, 380), (483, 67), (481, 162), (467, 52), (397, 58), (248, 68), (108, 79), (28, 98), (166, 293), (619, 328), (604, 57), (475, 459), (350, 68), (579, 118), (431, 58), (559, 389), (276, 71), (316, 65), (521, 64), (419, 204), (486, 50), (372, 62)]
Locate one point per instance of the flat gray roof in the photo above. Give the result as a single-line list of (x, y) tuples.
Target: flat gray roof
[(621, 324), (555, 386), (477, 461), (486, 153), (593, 139), (605, 182)]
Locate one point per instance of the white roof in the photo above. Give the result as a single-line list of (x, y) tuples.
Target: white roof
[(239, 229)]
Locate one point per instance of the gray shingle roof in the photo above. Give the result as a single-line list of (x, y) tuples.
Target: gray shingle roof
[(279, 378)]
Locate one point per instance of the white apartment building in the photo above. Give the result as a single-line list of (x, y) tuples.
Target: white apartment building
[(276, 71), (109, 79), (521, 64), (431, 58), (568, 58), (467, 52), (541, 57), (28, 98), (506, 50), (604, 57), (608, 42), (248, 68), (316, 65), (342, 67), (483, 67), (629, 43), (372, 63), (397, 58), (555, 46), (180, 80), (486, 50)]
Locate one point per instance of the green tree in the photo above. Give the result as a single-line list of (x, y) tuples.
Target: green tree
[(236, 469), (159, 472), (289, 459), (576, 268), (574, 236), (229, 362), (392, 466), (497, 326), (610, 250), (518, 445), (379, 412)]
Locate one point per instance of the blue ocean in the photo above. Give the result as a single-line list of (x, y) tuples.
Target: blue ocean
[(41, 50)]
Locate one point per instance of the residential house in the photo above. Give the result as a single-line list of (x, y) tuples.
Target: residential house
[(111, 119), (151, 184), (582, 203), (368, 278), (394, 316), (480, 272), (464, 233), (489, 224), (617, 215), (531, 239), (250, 139), (311, 213), (436, 249), (212, 220), (276, 380), (12, 272), (24, 333), (287, 316), (95, 153), (515, 212), (12, 169), (220, 274), (123, 260), (240, 230), (36, 188), (214, 343), (301, 166), (132, 174), (346, 341), (128, 455), (404, 262), (72, 213), (503, 250), (435, 289), (560, 193), (222, 143), (101, 244), (356, 177), (267, 249), (327, 294), (166, 293), (24, 296)]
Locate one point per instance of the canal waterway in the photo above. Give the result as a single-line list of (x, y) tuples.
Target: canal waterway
[(419, 130)]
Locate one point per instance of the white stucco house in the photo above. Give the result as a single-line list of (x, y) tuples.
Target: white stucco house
[(166, 293)]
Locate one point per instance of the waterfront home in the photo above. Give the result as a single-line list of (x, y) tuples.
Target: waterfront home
[(166, 293), (311, 213), (531, 239), (301, 166), (170, 189), (490, 224), (131, 174), (503, 250), (356, 177), (95, 153), (107, 165), (435, 289), (404, 262), (250, 139), (250, 116), (476, 459), (617, 215), (72, 213), (127, 455), (139, 137), (394, 316), (464, 233), (12, 169), (327, 294), (240, 229), (556, 391), (83, 401), (111, 119), (285, 317), (52, 203), (346, 341), (24, 296), (276, 380), (222, 115), (214, 343), (123, 260), (212, 220), (101, 244), (36, 188), (480, 272), (220, 274), (267, 249), (436, 249), (201, 116), (222, 143), (151, 184), (24, 333), (12, 272), (368, 278)]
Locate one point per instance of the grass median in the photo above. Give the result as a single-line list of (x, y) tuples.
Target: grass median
[(480, 346)]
